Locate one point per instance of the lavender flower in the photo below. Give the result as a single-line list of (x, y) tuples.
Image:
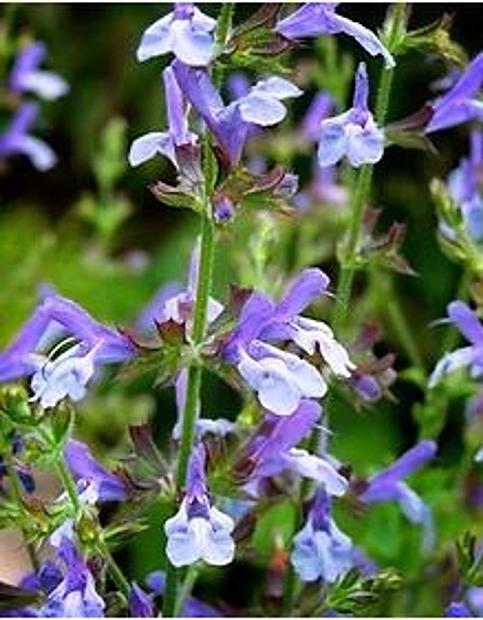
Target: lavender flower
[(315, 19), (140, 604), (230, 124), (106, 486), (199, 531), (460, 104), (186, 32), (27, 77), (388, 485), (67, 374), (321, 549), (76, 595), (319, 109), (16, 140), (471, 356), (282, 379), (165, 142), (273, 450), (353, 133)]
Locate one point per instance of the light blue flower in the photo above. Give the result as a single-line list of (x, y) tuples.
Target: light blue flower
[(186, 32), (199, 531), (321, 550), (354, 133), (27, 77)]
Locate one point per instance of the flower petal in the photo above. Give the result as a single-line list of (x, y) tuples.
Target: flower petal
[(277, 88), (365, 146), (332, 141), (261, 109), (149, 145), (193, 47), (156, 39), (45, 84), (466, 321)]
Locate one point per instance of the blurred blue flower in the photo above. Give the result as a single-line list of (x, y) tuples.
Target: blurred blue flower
[(320, 549), (354, 133), (388, 485), (165, 142), (457, 610), (314, 19), (27, 77), (461, 103), (471, 356), (282, 379), (192, 608), (16, 140), (186, 32), (199, 531), (464, 184), (230, 124), (68, 374)]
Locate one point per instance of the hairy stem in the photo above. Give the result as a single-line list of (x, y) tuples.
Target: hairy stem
[(69, 485), (203, 290)]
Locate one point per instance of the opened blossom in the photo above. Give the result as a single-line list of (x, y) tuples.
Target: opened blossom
[(27, 77), (230, 124), (320, 549), (353, 134), (315, 19), (281, 379), (166, 143), (186, 32), (199, 531), (66, 375), (467, 322), (273, 451)]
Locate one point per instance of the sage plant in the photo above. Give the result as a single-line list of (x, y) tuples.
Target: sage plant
[(277, 485)]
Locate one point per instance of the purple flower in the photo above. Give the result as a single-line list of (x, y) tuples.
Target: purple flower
[(52, 379), (27, 77), (75, 596), (151, 313), (186, 32), (17, 141), (315, 19), (388, 485), (460, 104), (282, 379), (140, 603), (192, 608), (230, 124), (464, 187), (471, 356), (107, 486), (199, 531), (321, 550), (353, 133), (165, 142), (323, 189), (273, 450)]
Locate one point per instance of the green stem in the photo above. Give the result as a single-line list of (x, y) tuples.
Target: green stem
[(68, 483), (203, 290), (16, 489), (114, 570), (189, 582), (404, 332)]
